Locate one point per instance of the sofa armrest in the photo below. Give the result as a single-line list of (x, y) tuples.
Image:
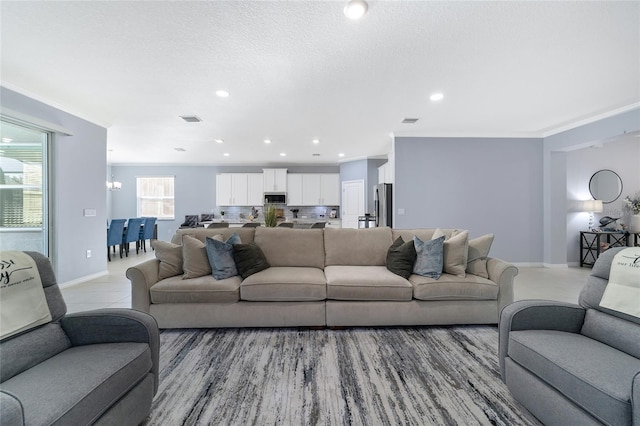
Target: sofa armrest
[(502, 273), (115, 325), (142, 277), (537, 315), (12, 410)]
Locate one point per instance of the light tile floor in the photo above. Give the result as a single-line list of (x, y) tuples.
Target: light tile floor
[(114, 290)]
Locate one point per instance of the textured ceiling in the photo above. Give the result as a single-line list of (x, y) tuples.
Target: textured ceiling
[(297, 71)]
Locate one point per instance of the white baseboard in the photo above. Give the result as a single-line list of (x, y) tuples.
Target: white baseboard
[(555, 265), (527, 264), (83, 279)]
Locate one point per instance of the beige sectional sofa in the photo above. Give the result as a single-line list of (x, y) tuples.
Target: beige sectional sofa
[(321, 277)]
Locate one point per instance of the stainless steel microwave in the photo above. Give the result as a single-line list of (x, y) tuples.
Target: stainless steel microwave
[(275, 198)]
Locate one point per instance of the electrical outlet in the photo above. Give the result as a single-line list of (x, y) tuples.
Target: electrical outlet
[(88, 254)]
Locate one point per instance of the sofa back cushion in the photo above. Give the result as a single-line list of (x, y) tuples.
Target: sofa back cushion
[(246, 234), (592, 292), (423, 233), (612, 331), (291, 247), (357, 247)]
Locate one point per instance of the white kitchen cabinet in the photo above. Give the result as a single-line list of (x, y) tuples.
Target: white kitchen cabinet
[(321, 189), (275, 180), (255, 189), (330, 189), (238, 189), (385, 173), (294, 189), (224, 195)]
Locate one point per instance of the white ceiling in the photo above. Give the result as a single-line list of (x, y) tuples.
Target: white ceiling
[(298, 70)]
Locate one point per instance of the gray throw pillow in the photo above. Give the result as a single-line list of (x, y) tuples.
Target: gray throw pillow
[(220, 256), (400, 257), (249, 259), (170, 257), (429, 257)]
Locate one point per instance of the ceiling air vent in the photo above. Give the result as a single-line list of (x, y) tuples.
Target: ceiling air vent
[(191, 118), (409, 120)]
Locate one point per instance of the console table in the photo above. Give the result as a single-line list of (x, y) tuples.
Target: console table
[(591, 243)]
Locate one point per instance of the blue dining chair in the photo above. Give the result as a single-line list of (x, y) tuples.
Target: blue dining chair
[(132, 234), (147, 231), (114, 236)]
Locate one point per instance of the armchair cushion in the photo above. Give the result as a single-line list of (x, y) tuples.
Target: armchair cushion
[(599, 383), (107, 371)]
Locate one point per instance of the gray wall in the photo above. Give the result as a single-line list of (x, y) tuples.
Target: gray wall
[(79, 168), (555, 148), (623, 157), (484, 185), (195, 189)]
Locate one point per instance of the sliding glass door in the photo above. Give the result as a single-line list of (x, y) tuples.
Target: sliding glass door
[(23, 188)]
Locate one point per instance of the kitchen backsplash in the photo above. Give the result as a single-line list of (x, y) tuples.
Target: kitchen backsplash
[(233, 213)]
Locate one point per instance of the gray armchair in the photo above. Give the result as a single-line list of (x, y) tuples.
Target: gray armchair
[(573, 364), (91, 367)]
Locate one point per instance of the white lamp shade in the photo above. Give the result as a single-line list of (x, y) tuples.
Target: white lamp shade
[(593, 206)]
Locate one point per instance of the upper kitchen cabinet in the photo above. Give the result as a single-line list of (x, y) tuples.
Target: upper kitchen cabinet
[(385, 173), (239, 189), (320, 189), (275, 180), (294, 189)]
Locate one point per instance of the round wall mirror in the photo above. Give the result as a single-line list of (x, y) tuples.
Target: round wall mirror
[(605, 185)]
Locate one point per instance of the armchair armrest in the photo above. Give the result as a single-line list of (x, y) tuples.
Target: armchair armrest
[(537, 315), (502, 273), (142, 277), (12, 410), (113, 326)]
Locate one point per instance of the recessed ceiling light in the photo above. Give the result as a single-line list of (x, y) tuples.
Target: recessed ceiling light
[(355, 9), (436, 97), (316, 141), (222, 93), (341, 154), (9, 140), (283, 154), (267, 141), (226, 154), (219, 140), (180, 149)]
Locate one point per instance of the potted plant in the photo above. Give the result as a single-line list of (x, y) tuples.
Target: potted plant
[(633, 205), (270, 219)]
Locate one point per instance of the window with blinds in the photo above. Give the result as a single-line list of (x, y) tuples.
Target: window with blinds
[(155, 197)]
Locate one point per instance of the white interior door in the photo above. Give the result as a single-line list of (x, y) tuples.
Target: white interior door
[(352, 202)]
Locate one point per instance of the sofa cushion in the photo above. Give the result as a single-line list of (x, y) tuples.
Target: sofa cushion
[(291, 247), (108, 372), (477, 255), (599, 383), (205, 289), (170, 257), (429, 257), (249, 259), (366, 283), (360, 247), (423, 233), (194, 258), (285, 283), (220, 254), (451, 287), (401, 257)]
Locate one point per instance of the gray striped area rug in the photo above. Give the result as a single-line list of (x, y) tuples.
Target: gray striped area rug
[(358, 376)]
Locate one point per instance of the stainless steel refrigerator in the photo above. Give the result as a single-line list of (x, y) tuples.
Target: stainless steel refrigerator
[(382, 196)]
